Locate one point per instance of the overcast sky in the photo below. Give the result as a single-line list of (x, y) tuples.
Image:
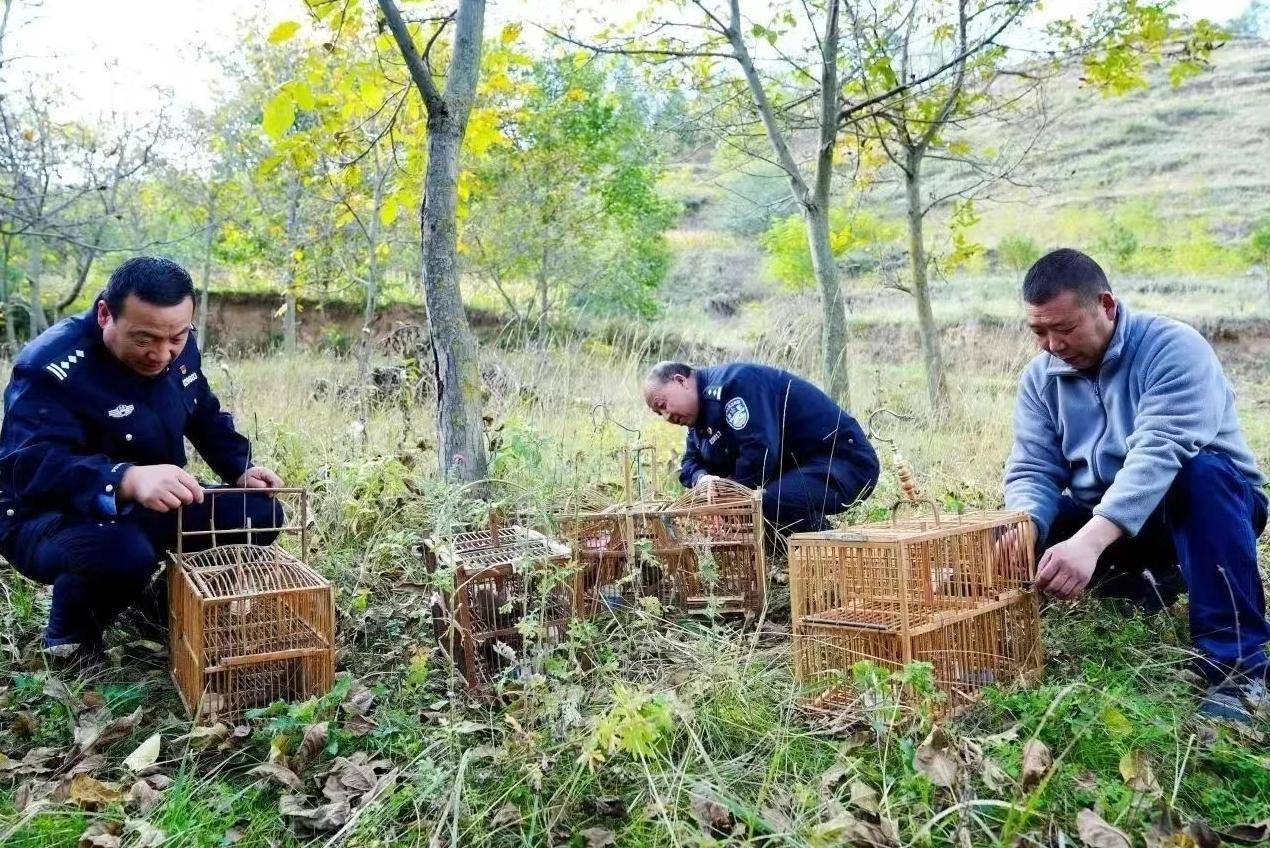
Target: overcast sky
[(112, 54)]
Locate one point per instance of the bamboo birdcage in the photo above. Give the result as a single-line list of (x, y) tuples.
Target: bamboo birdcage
[(510, 591), (952, 591), (720, 526), (249, 624)]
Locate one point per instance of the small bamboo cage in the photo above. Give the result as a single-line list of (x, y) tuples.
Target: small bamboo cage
[(512, 590), (250, 624), (952, 591), (624, 554), (720, 526)]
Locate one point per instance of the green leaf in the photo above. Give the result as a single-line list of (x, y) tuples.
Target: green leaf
[(279, 114), (389, 211), (303, 94), (283, 32)]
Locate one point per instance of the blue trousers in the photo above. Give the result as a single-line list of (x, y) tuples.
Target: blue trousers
[(1207, 525), (799, 499), (98, 568)]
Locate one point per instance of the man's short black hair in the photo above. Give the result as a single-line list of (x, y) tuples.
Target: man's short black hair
[(1064, 270), (663, 372), (155, 280)]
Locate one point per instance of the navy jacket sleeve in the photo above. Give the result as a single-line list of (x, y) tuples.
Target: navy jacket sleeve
[(692, 465), (49, 462), (211, 430), (755, 418)]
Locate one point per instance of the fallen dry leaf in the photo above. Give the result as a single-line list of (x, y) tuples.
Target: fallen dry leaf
[(100, 835), (352, 777), (994, 777), (143, 797), (1036, 763), (36, 762), (599, 837), (91, 732), (864, 797), (147, 835), (204, 737), (1096, 833), (60, 692), (37, 791), (86, 765), (1247, 834), (89, 793), (507, 815), (832, 779), (936, 764), (330, 816), (145, 755), (279, 774), (315, 738), (846, 829), (94, 700), (1137, 773)]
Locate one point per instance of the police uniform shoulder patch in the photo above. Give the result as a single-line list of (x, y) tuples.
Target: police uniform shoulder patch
[(59, 368), (737, 413)]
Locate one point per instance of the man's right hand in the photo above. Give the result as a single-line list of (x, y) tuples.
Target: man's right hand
[(709, 480), (160, 487)]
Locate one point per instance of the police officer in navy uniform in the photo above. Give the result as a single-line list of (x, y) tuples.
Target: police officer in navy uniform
[(764, 427), (92, 451)]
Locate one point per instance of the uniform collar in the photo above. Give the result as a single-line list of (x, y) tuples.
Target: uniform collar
[(704, 401), (1058, 367)]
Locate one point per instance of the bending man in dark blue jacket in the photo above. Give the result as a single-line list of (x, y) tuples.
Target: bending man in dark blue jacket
[(93, 447), (761, 426)]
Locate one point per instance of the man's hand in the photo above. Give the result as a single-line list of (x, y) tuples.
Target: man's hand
[(160, 487), (1066, 569), (709, 480), (1011, 549), (258, 477)]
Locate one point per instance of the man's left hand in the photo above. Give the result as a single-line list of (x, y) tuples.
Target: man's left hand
[(1066, 569), (259, 477)]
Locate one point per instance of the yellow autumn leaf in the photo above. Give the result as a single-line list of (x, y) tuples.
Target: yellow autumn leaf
[(510, 33), (303, 94), (283, 31), (278, 115)]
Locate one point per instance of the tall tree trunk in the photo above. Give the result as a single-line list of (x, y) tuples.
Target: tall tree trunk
[(205, 285), (833, 326), (289, 321), (460, 430), (35, 309), (936, 389), (461, 438)]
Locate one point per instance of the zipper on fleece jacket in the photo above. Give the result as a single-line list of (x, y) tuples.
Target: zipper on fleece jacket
[(1093, 456)]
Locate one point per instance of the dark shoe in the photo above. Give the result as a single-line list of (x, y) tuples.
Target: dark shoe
[(1239, 702)]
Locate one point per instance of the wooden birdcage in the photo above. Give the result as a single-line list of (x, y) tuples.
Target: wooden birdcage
[(719, 525), (512, 591), (953, 591), (250, 624), (624, 554)]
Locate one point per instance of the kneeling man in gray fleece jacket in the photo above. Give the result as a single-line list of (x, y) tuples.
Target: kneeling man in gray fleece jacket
[(1129, 457)]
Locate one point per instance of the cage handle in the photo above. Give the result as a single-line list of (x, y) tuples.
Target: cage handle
[(934, 508)]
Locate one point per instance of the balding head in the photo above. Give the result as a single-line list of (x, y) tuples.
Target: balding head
[(670, 390)]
